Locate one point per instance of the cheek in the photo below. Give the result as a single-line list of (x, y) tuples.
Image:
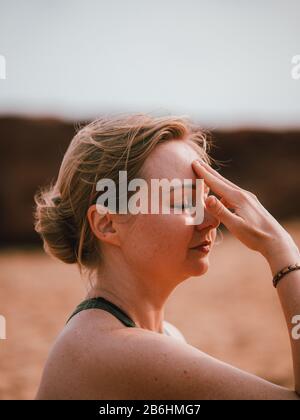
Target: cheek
[(159, 237)]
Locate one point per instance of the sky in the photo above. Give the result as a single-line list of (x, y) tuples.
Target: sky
[(222, 62)]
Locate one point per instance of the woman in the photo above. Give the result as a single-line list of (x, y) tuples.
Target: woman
[(116, 344)]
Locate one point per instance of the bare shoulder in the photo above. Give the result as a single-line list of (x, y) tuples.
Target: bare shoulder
[(93, 356), (89, 338), (159, 367), (132, 363)]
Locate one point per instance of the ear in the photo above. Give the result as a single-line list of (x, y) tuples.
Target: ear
[(102, 225)]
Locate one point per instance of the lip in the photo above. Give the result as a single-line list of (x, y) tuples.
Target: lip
[(204, 247)]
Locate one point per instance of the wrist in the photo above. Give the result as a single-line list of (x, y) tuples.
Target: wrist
[(282, 256)]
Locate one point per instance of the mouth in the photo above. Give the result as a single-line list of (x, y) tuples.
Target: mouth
[(204, 247)]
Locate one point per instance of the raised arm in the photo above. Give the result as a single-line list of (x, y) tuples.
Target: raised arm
[(253, 225)]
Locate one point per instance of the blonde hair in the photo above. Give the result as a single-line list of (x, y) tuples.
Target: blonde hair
[(100, 150)]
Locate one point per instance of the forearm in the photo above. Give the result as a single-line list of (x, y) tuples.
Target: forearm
[(288, 290)]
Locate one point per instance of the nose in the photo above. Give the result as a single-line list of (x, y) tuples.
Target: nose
[(209, 221)]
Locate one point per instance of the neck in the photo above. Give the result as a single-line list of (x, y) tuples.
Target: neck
[(141, 297)]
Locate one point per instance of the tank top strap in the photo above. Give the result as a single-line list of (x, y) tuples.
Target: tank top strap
[(102, 303)]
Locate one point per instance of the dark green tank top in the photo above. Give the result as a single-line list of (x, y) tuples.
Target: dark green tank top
[(101, 303)]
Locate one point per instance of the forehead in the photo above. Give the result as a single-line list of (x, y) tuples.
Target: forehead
[(171, 159)]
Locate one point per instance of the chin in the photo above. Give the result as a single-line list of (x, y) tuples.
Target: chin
[(200, 266)]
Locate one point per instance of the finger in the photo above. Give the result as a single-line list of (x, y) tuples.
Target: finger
[(217, 209), (218, 175), (227, 205), (216, 184)]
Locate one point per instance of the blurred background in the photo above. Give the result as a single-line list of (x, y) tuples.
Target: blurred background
[(234, 68)]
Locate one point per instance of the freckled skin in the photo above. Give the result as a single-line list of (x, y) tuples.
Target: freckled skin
[(145, 258), (166, 252), (152, 258)]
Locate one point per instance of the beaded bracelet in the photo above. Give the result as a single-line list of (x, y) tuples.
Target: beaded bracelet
[(283, 272)]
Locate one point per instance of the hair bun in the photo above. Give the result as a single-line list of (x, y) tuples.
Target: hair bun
[(57, 229)]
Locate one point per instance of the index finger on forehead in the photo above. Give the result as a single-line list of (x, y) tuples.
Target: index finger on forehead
[(216, 184)]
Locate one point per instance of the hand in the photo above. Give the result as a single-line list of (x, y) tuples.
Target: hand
[(249, 221)]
